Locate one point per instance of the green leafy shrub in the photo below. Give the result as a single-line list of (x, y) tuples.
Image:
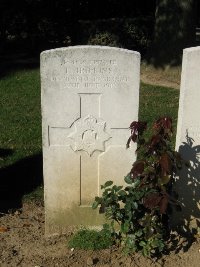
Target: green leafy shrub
[(141, 208), (136, 35), (105, 39), (131, 33), (91, 239)]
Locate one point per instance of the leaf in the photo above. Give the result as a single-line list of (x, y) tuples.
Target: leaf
[(142, 243), (149, 169), (145, 252), (95, 204), (131, 241), (155, 140), (128, 179), (155, 243), (136, 183), (134, 137), (128, 142), (138, 126), (98, 199), (108, 183), (138, 168), (137, 129), (163, 123), (164, 180), (102, 209), (135, 205), (152, 200), (107, 190), (125, 227), (139, 233), (122, 193), (163, 204), (165, 163), (3, 229), (127, 206), (117, 188)]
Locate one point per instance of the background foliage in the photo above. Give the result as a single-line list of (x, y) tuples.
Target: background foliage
[(145, 26)]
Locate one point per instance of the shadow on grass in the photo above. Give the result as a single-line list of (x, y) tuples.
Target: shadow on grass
[(4, 152), (18, 61), (18, 179)]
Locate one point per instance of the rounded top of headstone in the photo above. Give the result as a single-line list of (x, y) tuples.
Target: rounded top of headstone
[(191, 49), (90, 47)]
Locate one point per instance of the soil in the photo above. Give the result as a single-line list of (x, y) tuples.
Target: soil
[(22, 243)]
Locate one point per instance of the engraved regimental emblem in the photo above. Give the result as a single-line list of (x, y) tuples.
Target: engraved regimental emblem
[(90, 135)]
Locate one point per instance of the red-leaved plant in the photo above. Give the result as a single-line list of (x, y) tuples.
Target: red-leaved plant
[(141, 207)]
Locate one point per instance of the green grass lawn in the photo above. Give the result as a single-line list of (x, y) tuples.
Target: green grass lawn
[(156, 101), (20, 113), (20, 116)]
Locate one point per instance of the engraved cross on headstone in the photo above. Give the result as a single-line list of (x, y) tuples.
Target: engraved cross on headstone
[(87, 136)]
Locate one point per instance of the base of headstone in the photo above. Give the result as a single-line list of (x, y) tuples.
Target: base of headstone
[(61, 221)]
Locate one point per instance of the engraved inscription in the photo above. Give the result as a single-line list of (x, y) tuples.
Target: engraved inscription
[(95, 62), (90, 135), (89, 70), (89, 74)]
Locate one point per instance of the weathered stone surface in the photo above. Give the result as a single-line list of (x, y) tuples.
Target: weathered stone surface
[(90, 94), (188, 135)]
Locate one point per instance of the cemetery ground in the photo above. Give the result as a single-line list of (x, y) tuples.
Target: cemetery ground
[(22, 241)]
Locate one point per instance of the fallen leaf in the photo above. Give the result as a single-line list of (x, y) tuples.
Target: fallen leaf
[(3, 229)]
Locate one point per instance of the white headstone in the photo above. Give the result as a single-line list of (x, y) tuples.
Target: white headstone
[(188, 135), (90, 94)]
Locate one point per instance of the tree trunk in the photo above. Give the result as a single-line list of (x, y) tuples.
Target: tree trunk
[(175, 23)]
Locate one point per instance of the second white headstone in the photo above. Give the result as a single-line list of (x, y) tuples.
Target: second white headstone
[(188, 137)]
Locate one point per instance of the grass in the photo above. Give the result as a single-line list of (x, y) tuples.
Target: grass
[(158, 101), (20, 116), (20, 113), (91, 239)]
